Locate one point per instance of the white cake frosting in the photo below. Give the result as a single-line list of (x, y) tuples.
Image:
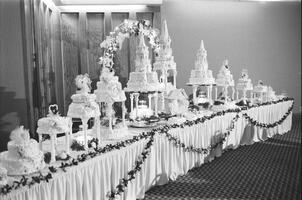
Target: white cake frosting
[(224, 77), (260, 87), (143, 79), (23, 155), (53, 123), (201, 75), (164, 61), (271, 95), (3, 176), (109, 88), (83, 103), (244, 82)]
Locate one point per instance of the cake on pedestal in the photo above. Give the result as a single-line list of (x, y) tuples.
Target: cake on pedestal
[(84, 106), (23, 156), (109, 90), (201, 75), (143, 81), (244, 84), (165, 66), (260, 91), (52, 125), (225, 80)]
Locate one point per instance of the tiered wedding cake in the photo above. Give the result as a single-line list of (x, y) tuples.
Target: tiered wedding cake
[(201, 75), (83, 103), (164, 61), (244, 83), (23, 155), (109, 87), (109, 90), (143, 79), (224, 77)]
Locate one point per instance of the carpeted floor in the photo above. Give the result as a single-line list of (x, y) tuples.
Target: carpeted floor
[(266, 170)]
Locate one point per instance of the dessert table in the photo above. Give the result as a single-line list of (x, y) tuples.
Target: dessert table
[(98, 177)]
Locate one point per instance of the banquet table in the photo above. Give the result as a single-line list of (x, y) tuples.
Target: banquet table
[(95, 177)]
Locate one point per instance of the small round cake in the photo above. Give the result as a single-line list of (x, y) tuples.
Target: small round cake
[(53, 123)]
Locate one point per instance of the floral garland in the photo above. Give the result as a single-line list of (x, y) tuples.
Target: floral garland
[(270, 125), (114, 41), (96, 151), (177, 142), (123, 183)]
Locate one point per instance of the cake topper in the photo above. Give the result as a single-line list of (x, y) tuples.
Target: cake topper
[(19, 135), (83, 83), (260, 82), (226, 64), (53, 110), (244, 73)]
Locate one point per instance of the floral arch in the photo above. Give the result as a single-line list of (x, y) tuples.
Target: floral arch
[(114, 41)]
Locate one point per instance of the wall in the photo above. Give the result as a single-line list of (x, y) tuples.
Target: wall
[(264, 38), (13, 108)]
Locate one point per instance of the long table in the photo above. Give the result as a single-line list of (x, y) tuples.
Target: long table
[(94, 178)]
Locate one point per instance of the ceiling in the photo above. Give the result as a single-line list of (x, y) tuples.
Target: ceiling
[(106, 2)]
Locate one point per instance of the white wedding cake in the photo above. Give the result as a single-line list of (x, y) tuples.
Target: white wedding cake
[(201, 75), (244, 83), (224, 77), (3, 176), (164, 61), (53, 123), (109, 87), (143, 79), (23, 155), (271, 95), (260, 87), (83, 103)]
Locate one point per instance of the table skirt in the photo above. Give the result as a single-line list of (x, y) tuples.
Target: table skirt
[(94, 178)]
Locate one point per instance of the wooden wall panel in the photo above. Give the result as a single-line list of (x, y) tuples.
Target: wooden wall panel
[(68, 44), (95, 35), (70, 55), (121, 60)]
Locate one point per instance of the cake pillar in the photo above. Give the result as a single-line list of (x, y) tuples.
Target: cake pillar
[(123, 113), (53, 150), (110, 104), (136, 95), (225, 92), (216, 92), (98, 128), (174, 78), (244, 96), (163, 101), (149, 100), (208, 92), (211, 90), (194, 93), (131, 102), (40, 141), (237, 95), (85, 127), (233, 93), (156, 102)]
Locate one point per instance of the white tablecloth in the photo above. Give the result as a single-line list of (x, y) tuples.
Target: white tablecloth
[(94, 178)]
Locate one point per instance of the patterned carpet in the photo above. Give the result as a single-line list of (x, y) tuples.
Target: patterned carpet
[(266, 170)]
